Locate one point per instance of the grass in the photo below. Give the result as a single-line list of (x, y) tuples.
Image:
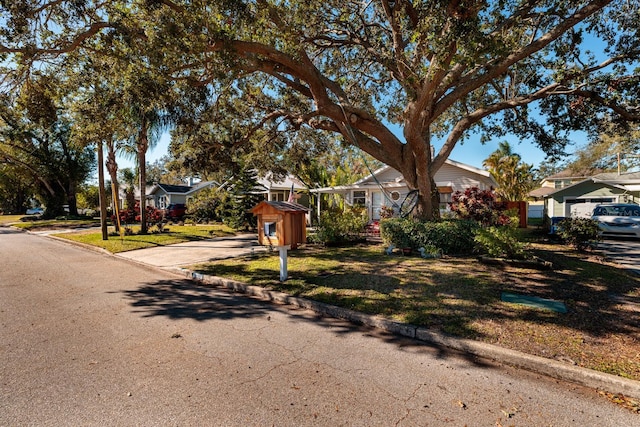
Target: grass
[(32, 222), (461, 297), (9, 219), (171, 235), (88, 234)]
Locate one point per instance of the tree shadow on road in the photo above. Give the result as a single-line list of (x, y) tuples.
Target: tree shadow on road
[(180, 299), (185, 299)]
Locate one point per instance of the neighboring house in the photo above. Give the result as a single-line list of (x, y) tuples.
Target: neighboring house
[(163, 195), (556, 182), (387, 187), (280, 190), (579, 195), (550, 185)]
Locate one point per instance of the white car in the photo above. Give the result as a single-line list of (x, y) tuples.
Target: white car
[(618, 219)]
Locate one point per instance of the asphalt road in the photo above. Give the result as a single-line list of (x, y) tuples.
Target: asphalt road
[(90, 339)]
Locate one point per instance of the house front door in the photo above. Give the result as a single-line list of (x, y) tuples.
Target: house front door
[(376, 204)]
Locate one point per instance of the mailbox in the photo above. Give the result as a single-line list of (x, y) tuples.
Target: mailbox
[(281, 223)]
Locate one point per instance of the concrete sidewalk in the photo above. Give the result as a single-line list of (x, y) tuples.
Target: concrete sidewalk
[(195, 252)]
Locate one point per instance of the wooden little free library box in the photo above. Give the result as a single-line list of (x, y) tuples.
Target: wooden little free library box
[(281, 223)]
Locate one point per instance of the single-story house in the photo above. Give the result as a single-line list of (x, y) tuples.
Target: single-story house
[(578, 199), (163, 195), (387, 187)]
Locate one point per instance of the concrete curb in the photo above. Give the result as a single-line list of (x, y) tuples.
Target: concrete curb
[(551, 368)]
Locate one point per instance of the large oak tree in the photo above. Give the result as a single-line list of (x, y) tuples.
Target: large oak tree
[(35, 140), (436, 70)]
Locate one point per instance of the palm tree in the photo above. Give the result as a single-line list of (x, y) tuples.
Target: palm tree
[(514, 178), (150, 123), (128, 177)]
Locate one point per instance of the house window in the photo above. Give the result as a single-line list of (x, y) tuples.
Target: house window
[(278, 196), (162, 202), (562, 183), (445, 193), (445, 199), (359, 197), (395, 196)]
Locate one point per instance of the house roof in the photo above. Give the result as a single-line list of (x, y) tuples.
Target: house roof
[(567, 174), (588, 180), (633, 177), (270, 183), (180, 189), (175, 188), (463, 166), (468, 168), (363, 186), (203, 184), (624, 181), (542, 192), (370, 181)]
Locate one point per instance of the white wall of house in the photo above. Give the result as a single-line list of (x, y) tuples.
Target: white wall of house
[(373, 199), (388, 187), (450, 175)]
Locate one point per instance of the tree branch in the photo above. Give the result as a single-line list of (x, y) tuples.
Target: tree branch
[(625, 113), (475, 80), (474, 117), (74, 44)]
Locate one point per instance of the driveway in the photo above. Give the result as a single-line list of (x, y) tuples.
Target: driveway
[(625, 252), (194, 252)]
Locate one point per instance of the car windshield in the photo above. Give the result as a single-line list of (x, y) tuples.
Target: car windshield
[(617, 211)]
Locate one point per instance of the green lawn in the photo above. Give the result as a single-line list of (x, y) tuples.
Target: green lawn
[(32, 223), (10, 219), (172, 234)]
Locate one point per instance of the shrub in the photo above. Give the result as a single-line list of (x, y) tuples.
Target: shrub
[(479, 205), (127, 216), (206, 205), (337, 228), (451, 237), (154, 216), (392, 232), (581, 233), (235, 203), (499, 242), (387, 212)]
